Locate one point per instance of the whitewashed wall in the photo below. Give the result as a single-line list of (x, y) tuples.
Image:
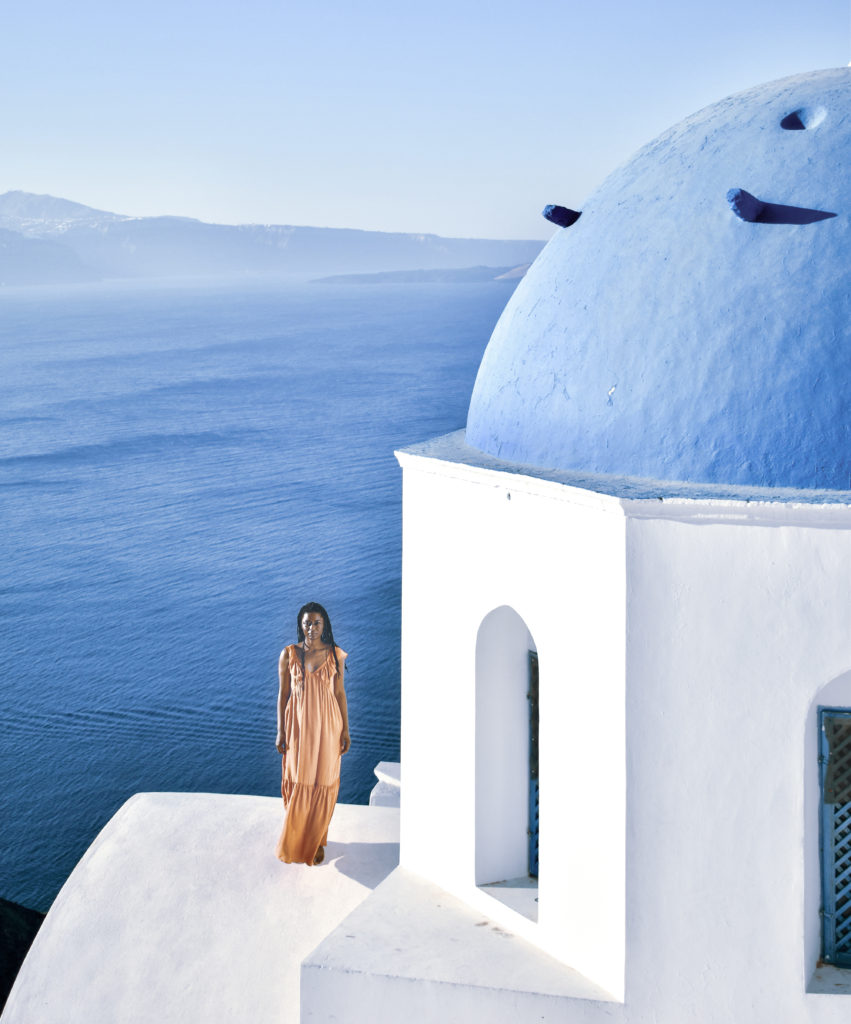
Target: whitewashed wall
[(475, 541), (739, 624), (684, 649)]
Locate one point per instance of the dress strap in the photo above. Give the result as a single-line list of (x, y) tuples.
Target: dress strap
[(295, 655)]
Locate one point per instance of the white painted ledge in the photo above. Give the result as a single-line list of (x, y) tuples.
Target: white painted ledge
[(387, 791), (389, 772), (830, 981), (520, 894), (411, 951), (451, 456), (180, 912)]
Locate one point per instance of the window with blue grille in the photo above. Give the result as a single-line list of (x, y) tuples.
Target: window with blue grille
[(835, 778)]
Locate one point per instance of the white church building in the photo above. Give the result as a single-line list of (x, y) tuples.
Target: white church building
[(626, 642), (652, 495)]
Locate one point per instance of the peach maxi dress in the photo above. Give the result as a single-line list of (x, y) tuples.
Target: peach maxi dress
[(311, 765)]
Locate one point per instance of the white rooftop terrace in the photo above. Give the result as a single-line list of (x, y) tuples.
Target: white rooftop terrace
[(180, 912)]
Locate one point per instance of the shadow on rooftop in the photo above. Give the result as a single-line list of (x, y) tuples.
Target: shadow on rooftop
[(367, 863)]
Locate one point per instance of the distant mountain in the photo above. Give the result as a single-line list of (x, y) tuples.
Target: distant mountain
[(39, 216), (38, 261), (463, 275), (515, 273), (110, 245)]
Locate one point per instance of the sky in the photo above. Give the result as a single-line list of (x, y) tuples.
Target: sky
[(450, 117)]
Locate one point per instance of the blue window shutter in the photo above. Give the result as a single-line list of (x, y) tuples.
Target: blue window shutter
[(532, 830), (835, 778)]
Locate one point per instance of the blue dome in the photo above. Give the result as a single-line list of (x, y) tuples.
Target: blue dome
[(681, 333)]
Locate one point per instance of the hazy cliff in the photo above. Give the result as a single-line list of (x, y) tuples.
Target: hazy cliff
[(108, 245)]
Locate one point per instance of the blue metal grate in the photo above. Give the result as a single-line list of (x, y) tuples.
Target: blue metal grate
[(835, 773)]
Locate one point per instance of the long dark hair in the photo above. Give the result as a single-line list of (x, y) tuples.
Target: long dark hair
[(327, 632)]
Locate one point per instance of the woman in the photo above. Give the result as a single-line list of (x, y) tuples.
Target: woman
[(313, 732)]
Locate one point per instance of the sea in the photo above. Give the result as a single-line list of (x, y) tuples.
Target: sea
[(182, 465)]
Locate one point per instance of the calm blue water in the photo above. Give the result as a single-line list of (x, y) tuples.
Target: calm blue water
[(180, 468)]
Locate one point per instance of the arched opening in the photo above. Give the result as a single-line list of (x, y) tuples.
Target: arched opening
[(506, 761)]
